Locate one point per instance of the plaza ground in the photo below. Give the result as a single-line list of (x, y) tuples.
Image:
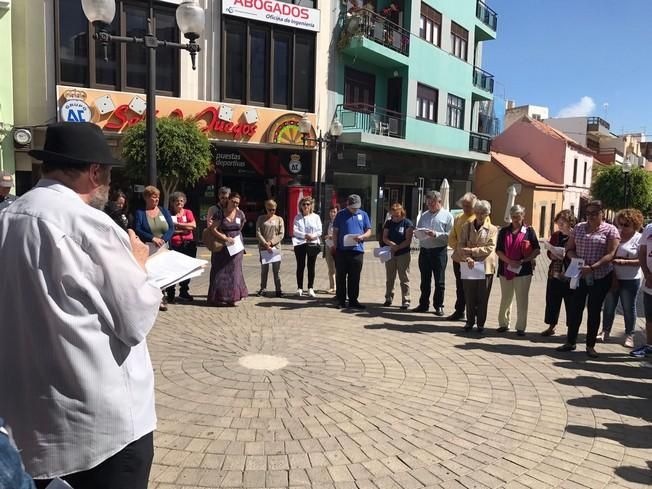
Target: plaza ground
[(385, 399)]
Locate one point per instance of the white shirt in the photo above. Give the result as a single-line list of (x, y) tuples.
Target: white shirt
[(310, 224), (76, 378), (646, 240), (441, 222), (628, 249)]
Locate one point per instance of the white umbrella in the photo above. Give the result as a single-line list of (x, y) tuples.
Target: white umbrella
[(444, 190), (511, 198)]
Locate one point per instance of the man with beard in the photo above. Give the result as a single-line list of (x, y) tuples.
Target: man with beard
[(75, 375)]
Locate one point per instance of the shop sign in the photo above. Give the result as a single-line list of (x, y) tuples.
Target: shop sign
[(274, 12), (295, 164), (75, 108), (362, 160)]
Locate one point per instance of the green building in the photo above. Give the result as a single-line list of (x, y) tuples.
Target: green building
[(405, 81), (7, 162)]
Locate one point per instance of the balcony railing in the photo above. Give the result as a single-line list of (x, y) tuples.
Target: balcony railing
[(594, 123), (372, 119), (381, 30), (483, 80), (479, 143), (486, 15)]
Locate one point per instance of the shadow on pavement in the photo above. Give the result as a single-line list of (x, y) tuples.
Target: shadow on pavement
[(422, 329), (636, 474)]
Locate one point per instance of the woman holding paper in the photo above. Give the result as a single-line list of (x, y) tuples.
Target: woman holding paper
[(627, 278), (270, 230), (328, 247), (227, 281), (183, 240), (517, 247), (557, 289), (397, 234), (475, 252), (591, 247), (306, 233)]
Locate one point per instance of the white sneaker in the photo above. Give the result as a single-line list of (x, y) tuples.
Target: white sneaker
[(629, 341), (299, 292), (311, 292)]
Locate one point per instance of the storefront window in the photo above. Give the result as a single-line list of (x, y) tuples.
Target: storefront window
[(73, 43), (366, 186)]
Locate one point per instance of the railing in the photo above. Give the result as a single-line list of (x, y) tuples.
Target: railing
[(372, 119), (486, 15), (596, 122), (479, 142), (381, 30), (483, 80)]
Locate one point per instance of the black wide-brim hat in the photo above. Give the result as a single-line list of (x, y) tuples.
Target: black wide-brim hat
[(75, 143)]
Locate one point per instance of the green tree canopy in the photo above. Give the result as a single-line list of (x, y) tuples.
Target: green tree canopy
[(609, 187), (183, 153)]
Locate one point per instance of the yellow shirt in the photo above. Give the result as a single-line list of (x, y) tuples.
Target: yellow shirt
[(456, 232)]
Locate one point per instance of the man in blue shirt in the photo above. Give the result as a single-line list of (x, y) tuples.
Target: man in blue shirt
[(436, 223), (354, 225)]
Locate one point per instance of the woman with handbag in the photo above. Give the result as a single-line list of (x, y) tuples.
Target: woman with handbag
[(154, 225), (183, 240), (307, 230), (517, 247), (227, 280), (270, 230)]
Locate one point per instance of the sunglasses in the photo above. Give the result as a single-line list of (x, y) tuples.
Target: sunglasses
[(306, 204), (273, 209)]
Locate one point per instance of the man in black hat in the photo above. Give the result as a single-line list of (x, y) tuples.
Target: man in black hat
[(78, 386)]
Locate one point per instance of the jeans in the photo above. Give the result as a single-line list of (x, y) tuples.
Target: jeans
[(348, 267), (302, 252), (477, 296), (460, 301), (398, 264), (627, 291), (12, 475), (556, 292), (519, 287), (188, 248), (129, 468), (264, 271), (591, 297), (432, 263)]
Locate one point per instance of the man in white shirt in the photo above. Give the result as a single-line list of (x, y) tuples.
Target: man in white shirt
[(437, 224), (75, 374)]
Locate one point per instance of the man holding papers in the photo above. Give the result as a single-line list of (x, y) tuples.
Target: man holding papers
[(350, 228), (475, 252), (433, 229)]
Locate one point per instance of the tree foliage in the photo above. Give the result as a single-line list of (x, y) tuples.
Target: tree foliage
[(183, 153), (609, 187)]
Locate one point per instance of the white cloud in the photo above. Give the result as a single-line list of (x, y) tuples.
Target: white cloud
[(583, 108)]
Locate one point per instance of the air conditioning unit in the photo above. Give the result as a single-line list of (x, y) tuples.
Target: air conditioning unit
[(5, 4)]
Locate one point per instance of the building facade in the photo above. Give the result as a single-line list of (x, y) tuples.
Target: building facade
[(255, 80), (6, 91), (406, 82)]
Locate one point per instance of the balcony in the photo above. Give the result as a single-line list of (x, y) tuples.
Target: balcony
[(483, 80), (371, 119), (480, 143), (371, 37), (597, 126), (488, 17)]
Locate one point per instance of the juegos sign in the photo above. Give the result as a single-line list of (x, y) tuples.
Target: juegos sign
[(116, 111)]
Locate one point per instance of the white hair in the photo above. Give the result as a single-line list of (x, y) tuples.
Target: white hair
[(469, 197), (482, 206), (434, 195), (516, 209)]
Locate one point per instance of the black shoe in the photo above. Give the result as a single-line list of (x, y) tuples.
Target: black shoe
[(591, 353), (169, 298), (261, 293), (185, 296), (420, 309), (387, 303), (502, 329), (566, 347), (456, 316), (340, 305), (439, 311), (356, 305), (480, 329), (468, 327), (520, 333), (279, 293)]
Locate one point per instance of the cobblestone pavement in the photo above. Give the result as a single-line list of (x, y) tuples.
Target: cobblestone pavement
[(388, 399)]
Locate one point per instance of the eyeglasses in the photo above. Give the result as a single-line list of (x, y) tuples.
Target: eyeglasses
[(624, 224), (273, 209)]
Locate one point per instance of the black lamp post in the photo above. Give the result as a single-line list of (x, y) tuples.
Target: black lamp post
[(190, 19), (627, 169), (335, 131)]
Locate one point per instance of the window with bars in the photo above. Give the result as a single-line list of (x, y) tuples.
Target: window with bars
[(455, 112), (427, 99), (430, 25), (459, 41)]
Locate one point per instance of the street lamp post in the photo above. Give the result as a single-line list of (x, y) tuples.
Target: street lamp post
[(627, 169), (190, 19), (334, 132)]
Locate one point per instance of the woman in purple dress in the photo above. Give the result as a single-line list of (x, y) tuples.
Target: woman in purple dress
[(227, 281)]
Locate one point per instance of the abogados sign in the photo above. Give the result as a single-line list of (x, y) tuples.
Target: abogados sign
[(274, 12)]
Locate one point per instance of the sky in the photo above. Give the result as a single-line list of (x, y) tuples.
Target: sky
[(576, 57)]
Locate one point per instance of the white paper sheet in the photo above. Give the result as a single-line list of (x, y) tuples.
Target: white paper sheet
[(575, 268), (58, 484), (381, 250), (271, 256), (475, 273), (297, 241), (349, 239), (421, 233), (329, 243), (170, 267), (557, 252), (515, 270), (236, 247)]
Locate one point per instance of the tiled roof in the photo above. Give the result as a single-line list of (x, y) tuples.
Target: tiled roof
[(557, 134), (521, 171)]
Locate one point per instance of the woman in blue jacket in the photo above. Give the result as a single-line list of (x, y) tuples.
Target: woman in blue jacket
[(154, 224)]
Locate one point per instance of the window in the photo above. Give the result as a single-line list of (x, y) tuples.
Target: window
[(126, 67), (266, 65), (359, 90), (430, 25), (586, 168), (459, 41), (427, 103), (553, 213), (575, 171), (542, 222), (455, 112)]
